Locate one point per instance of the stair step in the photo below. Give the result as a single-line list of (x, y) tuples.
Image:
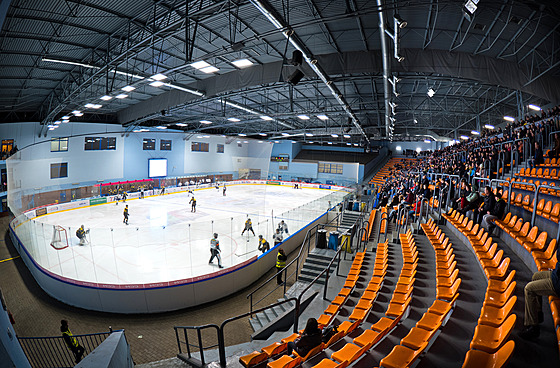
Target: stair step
[(309, 279)]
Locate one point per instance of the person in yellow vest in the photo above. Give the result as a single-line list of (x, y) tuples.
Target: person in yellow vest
[(125, 215), (280, 264), (71, 341), (193, 204)]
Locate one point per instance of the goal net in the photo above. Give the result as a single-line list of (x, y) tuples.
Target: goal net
[(59, 238)]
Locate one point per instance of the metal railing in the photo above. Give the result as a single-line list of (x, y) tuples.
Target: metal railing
[(52, 351)]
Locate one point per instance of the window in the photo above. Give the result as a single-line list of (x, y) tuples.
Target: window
[(59, 170), (149, 144), (199, 147), (327, 168), (165, 145), (100, 143), (59, 144), (220, 148)]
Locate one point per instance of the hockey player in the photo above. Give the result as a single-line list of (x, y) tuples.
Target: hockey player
[(215, 250), (283, 227), (193, 204), (224, 191), (81, 234), (125, 215), (278, 238), (124, 195), (162, 192), (263, 244), (248, 227)]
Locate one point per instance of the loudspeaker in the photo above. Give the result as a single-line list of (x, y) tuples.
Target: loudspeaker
[(297, 58), (295, 77)]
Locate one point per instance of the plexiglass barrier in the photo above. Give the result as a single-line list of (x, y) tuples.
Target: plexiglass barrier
[(157, 250)]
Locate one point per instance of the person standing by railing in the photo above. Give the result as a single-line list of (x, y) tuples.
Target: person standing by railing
[(281, 259), (71, 341)]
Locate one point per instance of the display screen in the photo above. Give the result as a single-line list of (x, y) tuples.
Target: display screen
[(279, 158), (157, 167)]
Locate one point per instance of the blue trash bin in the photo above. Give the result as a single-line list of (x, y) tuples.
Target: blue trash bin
[(356, 206), (333, 240)]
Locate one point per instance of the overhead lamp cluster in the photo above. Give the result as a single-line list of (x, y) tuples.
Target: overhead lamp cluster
[(469, 8)]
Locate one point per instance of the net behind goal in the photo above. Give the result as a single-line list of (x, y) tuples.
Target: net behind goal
[(59, 238)]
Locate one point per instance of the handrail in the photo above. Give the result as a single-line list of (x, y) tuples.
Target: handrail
[(380, 225), (420, 214), (511, 183), (550, 135), (51, 351), (198, 330), (536, 200), (307, 240)]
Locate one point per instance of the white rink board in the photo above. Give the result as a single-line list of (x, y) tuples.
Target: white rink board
[(164, 240)]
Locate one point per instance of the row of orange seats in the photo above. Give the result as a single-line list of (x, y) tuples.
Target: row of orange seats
[(279, 348), (490, 346), (540, 173), (546, 209), (520, 185), (437, 315)]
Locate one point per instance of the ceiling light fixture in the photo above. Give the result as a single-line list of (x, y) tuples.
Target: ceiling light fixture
[(334, 135), (309, 134), (488, 126), (106, 98), (475, 132), (267, 118), (242, 63), (76, 112), (209, 69), (431, 92), (242, 134), (157, 84), (322, 117), (285, 134), (181, 124), (534, 107), (303, 117), (346, 136), (464, 137), (158, 77), (161, 127), (128, 88), (235, 120), (263, 134), (509, 118), (121, 96), (207, 122), (200, 64)]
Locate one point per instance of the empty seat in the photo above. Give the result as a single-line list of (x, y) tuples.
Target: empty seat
[(481, 359), (489, 338)]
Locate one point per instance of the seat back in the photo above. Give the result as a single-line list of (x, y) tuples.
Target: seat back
[(526, 200), (547, 207), (555, 210), (518, 225), (551, 249), (540, 172), (540, 205), (512, 221), (541, 240), (507, 218), (532, 236), (525, 229)]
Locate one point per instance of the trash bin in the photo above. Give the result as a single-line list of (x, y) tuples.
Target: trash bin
[(333, 240), (356, 206), (350, 205), (346, 237), (321, 239), (362, 206)]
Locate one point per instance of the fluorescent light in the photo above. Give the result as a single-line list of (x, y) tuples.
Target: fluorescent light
[(348, 143), (509, 118), (76, 112), (51, 128), (276, 141), (242, 63), (106, 98), (57, 122), (334, 135), (322, 117), (157, 84), (242, 134), (158, 77), (399, 148), (346, 135), (234, 119), (181, 124), (205, 136), (89, 106), (194, 92), (464, 137), (200, 64), (431, 92), (70, 63), (418, 149), (355, 144), (475, 132), (121, 96), (260, 141), (309, 134), (488, 126), (65, 117), (136, 130), (206, 122), (294, 142), (267, 118), (263, 134), (329, 142), (303, 117), (534, 107), (161, 127), (128, 88), (209, 69), (427, 141), (245, 141), (310, 142), (285, 134)]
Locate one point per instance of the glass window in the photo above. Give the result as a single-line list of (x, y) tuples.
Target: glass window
[(149, 144), (59, 170), (200, 147), (100, 143), (59, 144), (165, 145), (220, 148), (328, 168)]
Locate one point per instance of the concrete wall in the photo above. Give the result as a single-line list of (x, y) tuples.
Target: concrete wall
[(113, 352), (11, 353)]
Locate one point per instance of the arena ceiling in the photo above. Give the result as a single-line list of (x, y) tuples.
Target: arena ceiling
[(59, 56)]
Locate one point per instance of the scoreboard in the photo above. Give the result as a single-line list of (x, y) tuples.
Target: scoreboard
[(280, 158)]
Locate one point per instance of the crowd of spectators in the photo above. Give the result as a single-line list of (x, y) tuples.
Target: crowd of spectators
[(480, 157), (6, 154)]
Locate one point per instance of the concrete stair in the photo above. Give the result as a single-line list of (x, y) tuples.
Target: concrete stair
[(348, 220), (264, 318), (315, 263)]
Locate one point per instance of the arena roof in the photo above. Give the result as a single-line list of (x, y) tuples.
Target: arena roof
[(58, 56)]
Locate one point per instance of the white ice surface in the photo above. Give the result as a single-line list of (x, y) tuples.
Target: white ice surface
[(164, 240)]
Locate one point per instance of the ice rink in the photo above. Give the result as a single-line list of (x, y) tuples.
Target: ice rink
[(164, 240)]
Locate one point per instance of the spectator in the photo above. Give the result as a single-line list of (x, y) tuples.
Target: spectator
[(309, 339), (71, 341)]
